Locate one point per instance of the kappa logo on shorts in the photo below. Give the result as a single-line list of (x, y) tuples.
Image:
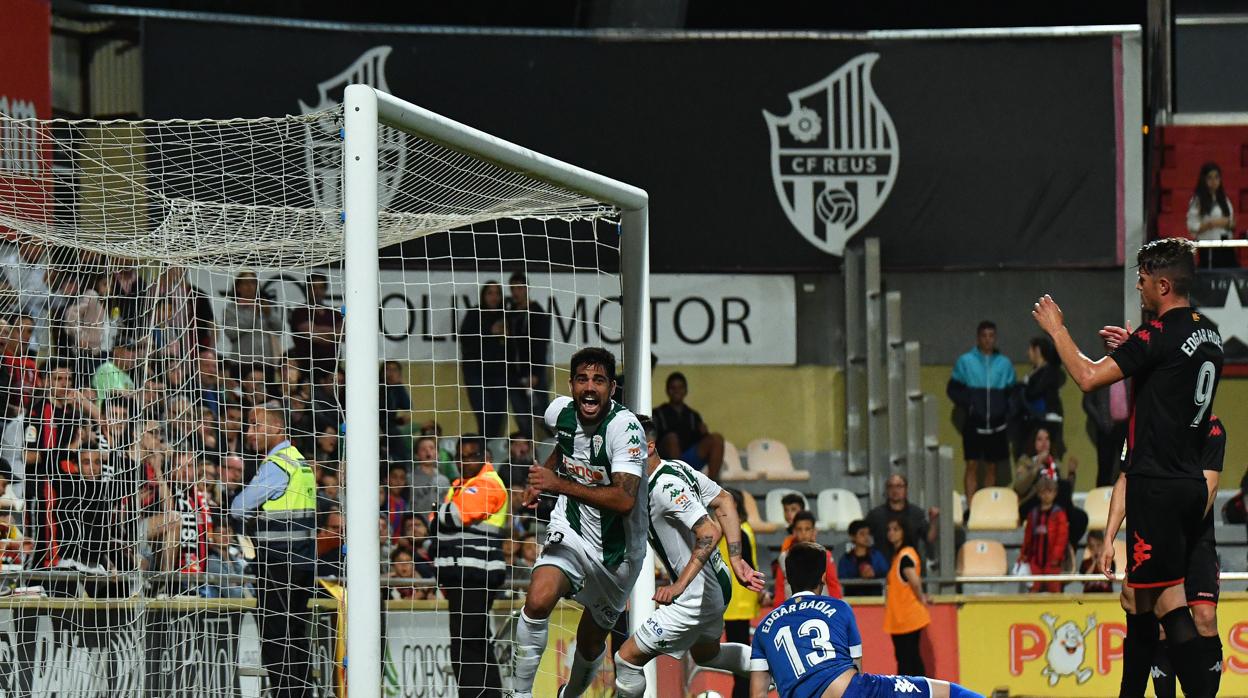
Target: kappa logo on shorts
[(902, 684), (1140, 552)]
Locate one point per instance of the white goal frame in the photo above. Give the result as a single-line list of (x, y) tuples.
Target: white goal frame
[(365, 108)]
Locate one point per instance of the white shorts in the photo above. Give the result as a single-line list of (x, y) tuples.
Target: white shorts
[(674, 628), (604, 593)]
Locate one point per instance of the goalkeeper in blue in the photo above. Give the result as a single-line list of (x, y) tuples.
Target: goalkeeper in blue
[(810, 646)]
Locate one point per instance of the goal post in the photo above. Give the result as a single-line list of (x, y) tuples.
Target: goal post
[(365, 109)]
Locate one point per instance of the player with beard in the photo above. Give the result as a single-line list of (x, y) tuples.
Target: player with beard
[(1174, 362), (596, 542)]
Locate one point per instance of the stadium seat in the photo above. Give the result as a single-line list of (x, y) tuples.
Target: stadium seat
[(1097, 506), (994, 509), (772, 458), (774, 509), (981, 558), (753, 518), (837, 508), (733, 470)]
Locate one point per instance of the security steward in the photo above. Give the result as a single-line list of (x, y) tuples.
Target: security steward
[(468, 531), (278, 509)]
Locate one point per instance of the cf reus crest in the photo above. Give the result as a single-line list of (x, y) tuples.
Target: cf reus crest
[(834, 155), (324, 152)]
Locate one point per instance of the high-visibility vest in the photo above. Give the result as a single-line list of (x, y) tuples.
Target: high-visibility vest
[(481, 504), (904, 612), (292, 516), (744, 604)]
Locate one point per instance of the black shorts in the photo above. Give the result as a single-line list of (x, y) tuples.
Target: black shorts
[(1164, 520), (1203, 569), (985, 447)]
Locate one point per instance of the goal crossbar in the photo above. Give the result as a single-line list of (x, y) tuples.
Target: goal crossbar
[(365, 108)]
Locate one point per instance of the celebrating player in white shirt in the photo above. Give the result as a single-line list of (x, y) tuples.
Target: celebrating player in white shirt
[(595, 544), (685, 536)]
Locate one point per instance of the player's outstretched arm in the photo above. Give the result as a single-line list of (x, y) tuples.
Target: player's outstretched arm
[(618, 497), (1087, 374), (706, 535), (730, 524), (760, 683)]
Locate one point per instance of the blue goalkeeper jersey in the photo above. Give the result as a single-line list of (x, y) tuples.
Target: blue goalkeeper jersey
[(805, 643)]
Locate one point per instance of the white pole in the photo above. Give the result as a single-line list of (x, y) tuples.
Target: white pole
[(635, 313), (359, 352)]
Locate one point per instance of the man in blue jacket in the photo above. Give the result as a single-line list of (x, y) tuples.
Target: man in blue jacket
[(981, 387)]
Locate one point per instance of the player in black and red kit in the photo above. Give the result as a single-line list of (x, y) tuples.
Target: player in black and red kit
[(1175, 362)]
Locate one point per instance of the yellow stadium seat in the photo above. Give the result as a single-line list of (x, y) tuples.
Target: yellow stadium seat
[(772, 458), (1097, 506), (981, 558), (733, 470), (837, 509), (994, 509), (753, 518)]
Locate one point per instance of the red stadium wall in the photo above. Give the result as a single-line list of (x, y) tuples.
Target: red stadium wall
[(25, 54)]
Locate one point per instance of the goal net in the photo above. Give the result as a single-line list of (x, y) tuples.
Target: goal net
[(173, 382)]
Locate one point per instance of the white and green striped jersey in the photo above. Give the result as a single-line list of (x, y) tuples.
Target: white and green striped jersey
[(613, 446), (679, 498)]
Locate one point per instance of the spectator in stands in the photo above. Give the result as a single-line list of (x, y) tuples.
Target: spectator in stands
[(805, 531), (25, 272), (402, 567), (1046, 537), (1038, 463), (224, 558), (483, 357), (897, 506), (328, 496), (122, 293), (682, 433), (1042, 401), (194, 518), (329, 543), (14, 546), (429, 486), (1107, 410), (328, 443), (1091, 564), (396, 418), (1210, 216), (91, 494), (980, 388), (790, 504), (417, 531), (253, 326), (114, 376), (87, 331), (316, 330), (862, 561), (905, 603), (393, 507), (19, 362), (528, 346), (519, 457)]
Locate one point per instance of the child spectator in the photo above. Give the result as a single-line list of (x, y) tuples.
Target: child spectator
[(804, 531), (1092, 564), (862, 561), (1046, 537), (791, 504), (402, 568)]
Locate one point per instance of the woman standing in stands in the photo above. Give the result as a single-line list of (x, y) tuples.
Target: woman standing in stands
[(1210, 217), (1042, 401), (905, 604)]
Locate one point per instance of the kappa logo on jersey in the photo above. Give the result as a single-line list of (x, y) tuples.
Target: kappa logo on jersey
[(323, 155), (902, 684), (834, 157), (632, 440), (633, 426)]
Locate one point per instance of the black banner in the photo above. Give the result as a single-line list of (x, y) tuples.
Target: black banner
[(759, 154)]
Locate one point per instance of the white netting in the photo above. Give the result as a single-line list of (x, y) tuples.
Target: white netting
[(161, 281)]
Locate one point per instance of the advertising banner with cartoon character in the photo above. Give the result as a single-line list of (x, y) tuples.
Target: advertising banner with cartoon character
[(1070, 646)]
